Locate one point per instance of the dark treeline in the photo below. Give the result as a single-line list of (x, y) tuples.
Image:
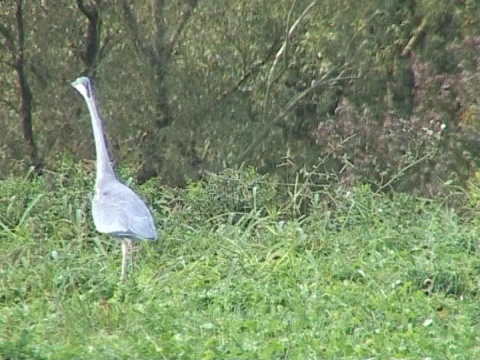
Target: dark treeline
[(384, 93)]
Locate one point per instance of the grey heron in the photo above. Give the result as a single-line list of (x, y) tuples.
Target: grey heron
[(116, 209)]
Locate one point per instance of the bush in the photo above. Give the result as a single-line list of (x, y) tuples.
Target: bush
[(434, 146)]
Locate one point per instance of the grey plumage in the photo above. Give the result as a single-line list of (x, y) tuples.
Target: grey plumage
[(116, 209)]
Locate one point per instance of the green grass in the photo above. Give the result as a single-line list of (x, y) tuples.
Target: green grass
[(236, 276)]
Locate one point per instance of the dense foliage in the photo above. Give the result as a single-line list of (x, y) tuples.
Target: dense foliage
[(384, 93)]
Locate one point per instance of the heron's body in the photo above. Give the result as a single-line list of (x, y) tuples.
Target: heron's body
[(116, 209)]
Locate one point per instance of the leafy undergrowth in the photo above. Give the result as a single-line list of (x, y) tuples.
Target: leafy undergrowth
[(235, 276)]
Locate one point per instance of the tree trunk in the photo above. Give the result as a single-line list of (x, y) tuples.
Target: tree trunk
[(26, 93)]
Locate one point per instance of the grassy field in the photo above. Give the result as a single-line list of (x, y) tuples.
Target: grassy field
[(242, 270)]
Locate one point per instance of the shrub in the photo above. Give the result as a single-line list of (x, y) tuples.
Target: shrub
[(436, 145)]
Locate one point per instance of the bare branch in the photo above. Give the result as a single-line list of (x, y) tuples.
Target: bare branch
[(247, 74), (158, 47), (240, 81), (92, 40), (261, 135), (136, 29), (20, 32), (185, 16), (282, 50), (26, 93), (415, 37), (88, 11)]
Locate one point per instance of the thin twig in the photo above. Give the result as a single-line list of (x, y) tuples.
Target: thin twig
[(185, 16), (136, 29), (415, 37), (279, 55), (282, 50), (402, 171), (247, 74)]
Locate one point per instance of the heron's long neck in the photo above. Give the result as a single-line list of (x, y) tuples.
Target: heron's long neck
[(104, 167)]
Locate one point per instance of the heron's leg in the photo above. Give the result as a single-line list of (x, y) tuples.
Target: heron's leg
[(124, 259), (130, 252)]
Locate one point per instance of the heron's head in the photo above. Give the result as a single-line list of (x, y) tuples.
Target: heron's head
[(82, 84)]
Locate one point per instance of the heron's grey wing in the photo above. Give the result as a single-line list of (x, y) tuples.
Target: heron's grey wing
[(140, 220), (117, 210)]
